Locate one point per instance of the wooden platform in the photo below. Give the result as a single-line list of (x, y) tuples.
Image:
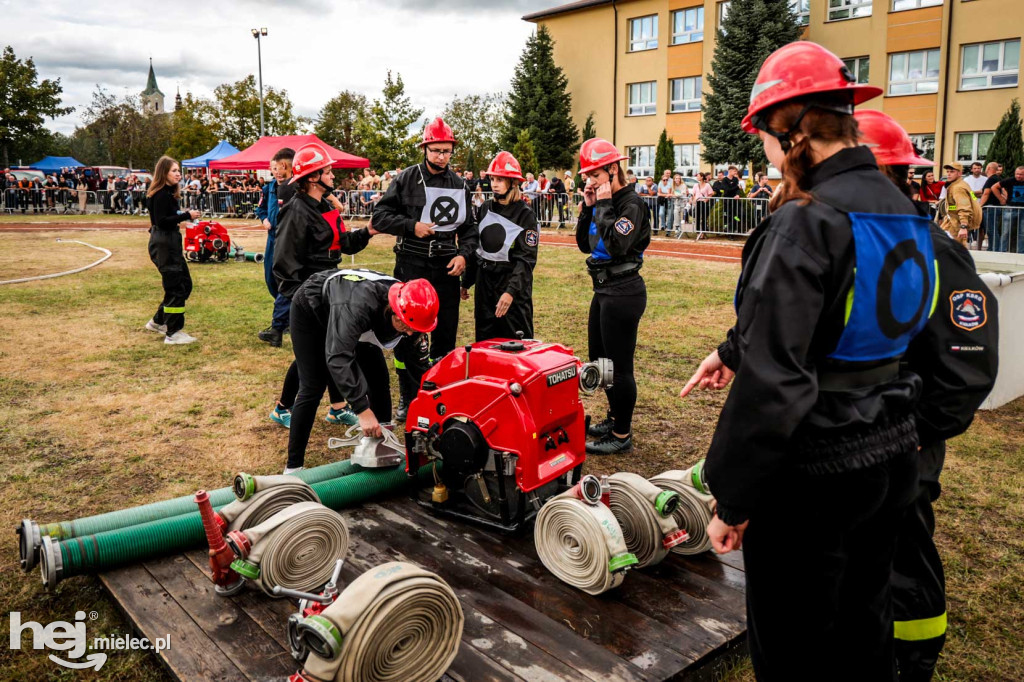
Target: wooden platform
[(669, 621)]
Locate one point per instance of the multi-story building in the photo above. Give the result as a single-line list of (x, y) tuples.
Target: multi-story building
[(949, 68)]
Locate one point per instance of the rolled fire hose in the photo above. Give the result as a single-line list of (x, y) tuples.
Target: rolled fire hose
[(31, 533), (66, 272), (113, 548), (644, 511), (275, 493), (296, 548), (695, 508), (396, 622), (580, 541)]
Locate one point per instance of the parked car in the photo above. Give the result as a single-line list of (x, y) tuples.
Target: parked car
[(26, 174)]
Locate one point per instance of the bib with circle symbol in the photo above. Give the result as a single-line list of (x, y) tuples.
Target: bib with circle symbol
[(497, 234), (445, 208)]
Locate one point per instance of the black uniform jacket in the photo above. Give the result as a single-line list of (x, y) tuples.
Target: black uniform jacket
[(956, 358), (398, 211), (798, 266), (163, 209), (348, 310), (622, 233), (516, 276), (304, 239)]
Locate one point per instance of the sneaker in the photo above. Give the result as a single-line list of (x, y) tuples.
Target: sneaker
[(601, 429), (343, 416), (401, 412), (611, 445), (292, 470), (271, 336), (158, 328), (179, 338), (282, 416)]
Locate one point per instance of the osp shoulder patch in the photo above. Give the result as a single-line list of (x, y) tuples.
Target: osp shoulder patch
[(967, 309), (623, 226), (532, 238)]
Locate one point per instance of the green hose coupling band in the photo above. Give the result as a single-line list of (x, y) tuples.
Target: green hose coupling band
[(246, 569), (621, 561), (697, 477), (327, 632), (666, 502), (245, 486)]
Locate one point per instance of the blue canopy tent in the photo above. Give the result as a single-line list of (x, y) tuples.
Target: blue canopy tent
[(223, 148), (52, 164)]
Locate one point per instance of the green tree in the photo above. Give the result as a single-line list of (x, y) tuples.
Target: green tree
[(338, 121), (193, 128), (664, 155), (237, 118), (539, 101), (526, 152), (24, 102), (589, 129), (475, 120), (751, 31), (385, 131), (117, 132), (1007, 146)]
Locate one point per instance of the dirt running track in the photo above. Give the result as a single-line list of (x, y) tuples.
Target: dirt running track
[(717, 251)]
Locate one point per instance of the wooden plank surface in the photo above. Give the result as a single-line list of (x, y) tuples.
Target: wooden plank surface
[(522, 623)]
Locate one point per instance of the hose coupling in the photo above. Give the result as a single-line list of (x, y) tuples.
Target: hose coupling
[(666, 502), (321, 636), (596, 375), (620, 562), (51, 562), (245, 486), (246, 569), (589, 490), (239, 543), (29, 541), (676, 538)]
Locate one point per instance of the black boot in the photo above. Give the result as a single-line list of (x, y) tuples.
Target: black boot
[(402, 411), (271, 336), (610, 444)]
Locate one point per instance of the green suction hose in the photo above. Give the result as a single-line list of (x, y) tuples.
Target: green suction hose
[(31, 533), (102, 551)]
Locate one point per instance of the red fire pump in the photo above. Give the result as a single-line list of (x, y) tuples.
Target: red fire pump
[(206, 240), (505, 419)]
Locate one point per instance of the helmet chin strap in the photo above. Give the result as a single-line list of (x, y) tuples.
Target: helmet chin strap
[(433, 166)]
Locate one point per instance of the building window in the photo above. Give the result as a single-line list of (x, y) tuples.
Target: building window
[(685, 95), (859, 67), (687, 158), (926, 145), (723, 12), (802, 10), (912, 73), (688, 26), (848, 9), (641, 160), (642, 98), (643, 33), (990, 65), (900, 5), (971, 147)]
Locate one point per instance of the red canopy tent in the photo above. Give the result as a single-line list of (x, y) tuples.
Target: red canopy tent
[(257, 157)]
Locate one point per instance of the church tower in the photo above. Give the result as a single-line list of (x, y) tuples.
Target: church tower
[(152, 98), (177, 100)]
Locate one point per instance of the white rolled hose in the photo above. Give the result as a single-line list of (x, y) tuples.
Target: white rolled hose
[(296, 548), (107, 255), (271, 495), (579, 540), (695, 509), (394, 623), (644, 511)]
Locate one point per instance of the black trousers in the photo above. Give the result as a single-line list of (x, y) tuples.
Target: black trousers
[(611, 333), (435, 271), (918, 581), (166, 253), (309, 338), (290, 389), (823, 611), (489, 288)]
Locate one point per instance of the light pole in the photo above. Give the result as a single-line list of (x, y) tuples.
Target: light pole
[(256, 33)]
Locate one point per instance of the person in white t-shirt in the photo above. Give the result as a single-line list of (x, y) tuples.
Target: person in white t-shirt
[(976, 180)]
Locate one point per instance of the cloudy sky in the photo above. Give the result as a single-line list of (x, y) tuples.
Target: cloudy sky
[(314, 48)]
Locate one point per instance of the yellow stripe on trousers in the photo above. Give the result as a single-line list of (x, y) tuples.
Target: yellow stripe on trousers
[(924, 628)]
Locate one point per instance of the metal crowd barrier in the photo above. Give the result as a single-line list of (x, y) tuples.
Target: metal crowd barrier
[(1004, 228)]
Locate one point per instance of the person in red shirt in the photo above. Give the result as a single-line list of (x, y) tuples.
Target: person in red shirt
[(931, 190)]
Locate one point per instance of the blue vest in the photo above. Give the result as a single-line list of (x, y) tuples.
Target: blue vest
[(598, 251), (895, 286)]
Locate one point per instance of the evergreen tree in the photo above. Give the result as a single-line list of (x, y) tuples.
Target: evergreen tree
[(385, 130), (24, 102), (589, 129), (338, 121), (539, 101), (664, 155), (1007, 145), (525, 152), (751, 31)]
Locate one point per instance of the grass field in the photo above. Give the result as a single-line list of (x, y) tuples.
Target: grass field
[(98, 414)]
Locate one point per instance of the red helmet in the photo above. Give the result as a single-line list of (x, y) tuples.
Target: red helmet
[(309, 159), (597, 153), (798, 69), (888, 141), (437, 131), (505, 165), (415, 303)]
